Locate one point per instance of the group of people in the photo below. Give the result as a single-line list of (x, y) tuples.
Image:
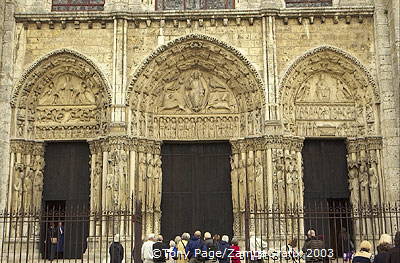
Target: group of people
[(387, 252), (192, 249), (213, 249)]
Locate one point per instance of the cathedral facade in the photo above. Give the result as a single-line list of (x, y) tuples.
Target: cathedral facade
[(126, 76)]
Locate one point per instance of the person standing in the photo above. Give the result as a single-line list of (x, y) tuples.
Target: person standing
[(60, 240), (160, 250), (194, 247), (223, 249), (394, 253), (384, 245), (364, 255), (52, 241), (116, 250), (181, 247), (235, 251), (147, 249), (313, 247), (210, 248), (172, 252), (345, 246)]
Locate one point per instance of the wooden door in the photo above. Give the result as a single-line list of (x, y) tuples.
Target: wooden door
[(66, 181), (196, 188), (326, 190)]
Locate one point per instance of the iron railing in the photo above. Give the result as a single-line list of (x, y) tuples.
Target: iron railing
[(339, 226), (25, 236)]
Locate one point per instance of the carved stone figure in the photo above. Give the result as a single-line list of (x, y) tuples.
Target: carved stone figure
[(242, 184), (38, 182), (259, 184), (251, 182), (364, 183), (150, 184), (353, 180), (142, 178), (157, 184), (281, 182), (373, 184), (235, 185), (19, 170)]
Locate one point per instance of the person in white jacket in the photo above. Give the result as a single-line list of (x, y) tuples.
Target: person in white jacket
[(147, 249)]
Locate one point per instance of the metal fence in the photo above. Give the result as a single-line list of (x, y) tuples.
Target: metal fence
[(70, 234), (27, 236), (340, 226)]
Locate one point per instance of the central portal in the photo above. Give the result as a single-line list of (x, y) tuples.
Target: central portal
[(197, 191)]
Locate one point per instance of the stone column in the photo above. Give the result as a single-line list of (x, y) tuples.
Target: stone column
[(7, 9)]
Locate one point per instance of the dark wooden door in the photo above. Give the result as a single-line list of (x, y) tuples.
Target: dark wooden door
[(326, 189), (196, 188), (66, 181)]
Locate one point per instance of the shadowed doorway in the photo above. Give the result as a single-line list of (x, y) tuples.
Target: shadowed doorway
[(197, 191), (66, 195)]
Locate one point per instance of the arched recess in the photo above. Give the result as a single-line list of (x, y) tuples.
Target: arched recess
[(327, 92), (195, 87), (61, 96)]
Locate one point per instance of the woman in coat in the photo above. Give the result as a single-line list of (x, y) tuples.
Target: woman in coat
[(235, 258), (384, 245), (181, 248), (364, 255), (116, 251)]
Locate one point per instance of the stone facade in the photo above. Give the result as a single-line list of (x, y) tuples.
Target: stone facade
[(261, 75)]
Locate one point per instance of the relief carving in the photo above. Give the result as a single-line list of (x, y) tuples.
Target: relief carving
[(328, 88), (61, 96)]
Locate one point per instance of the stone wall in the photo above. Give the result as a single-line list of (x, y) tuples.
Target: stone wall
[(387, 42), (7, 25)]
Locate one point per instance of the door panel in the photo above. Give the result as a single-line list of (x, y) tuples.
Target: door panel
[(326, 189), (196, 188), (66, 179)]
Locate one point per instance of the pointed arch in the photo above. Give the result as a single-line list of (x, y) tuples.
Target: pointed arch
[(329, 88), (61, 95)]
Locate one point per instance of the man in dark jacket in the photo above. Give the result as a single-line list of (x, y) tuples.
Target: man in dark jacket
[(194, 248), (116, 251), (394, 253), (159, 250), (210, 248), (312, 247), (224, 249)]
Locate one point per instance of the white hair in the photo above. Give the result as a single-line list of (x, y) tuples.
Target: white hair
[(311, 233), (150, 237), (172, 243), (185, 236), (207, 235), (177, 239), (197, 233), (385, 238), (225, 238)]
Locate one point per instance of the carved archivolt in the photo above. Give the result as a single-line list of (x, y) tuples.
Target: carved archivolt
[(63, 95), (195, 87), (327, 92)]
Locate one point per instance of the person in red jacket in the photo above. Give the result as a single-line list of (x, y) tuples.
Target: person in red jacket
[(235, 256)]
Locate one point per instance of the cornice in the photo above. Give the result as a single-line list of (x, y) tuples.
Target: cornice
[(204, 14)]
